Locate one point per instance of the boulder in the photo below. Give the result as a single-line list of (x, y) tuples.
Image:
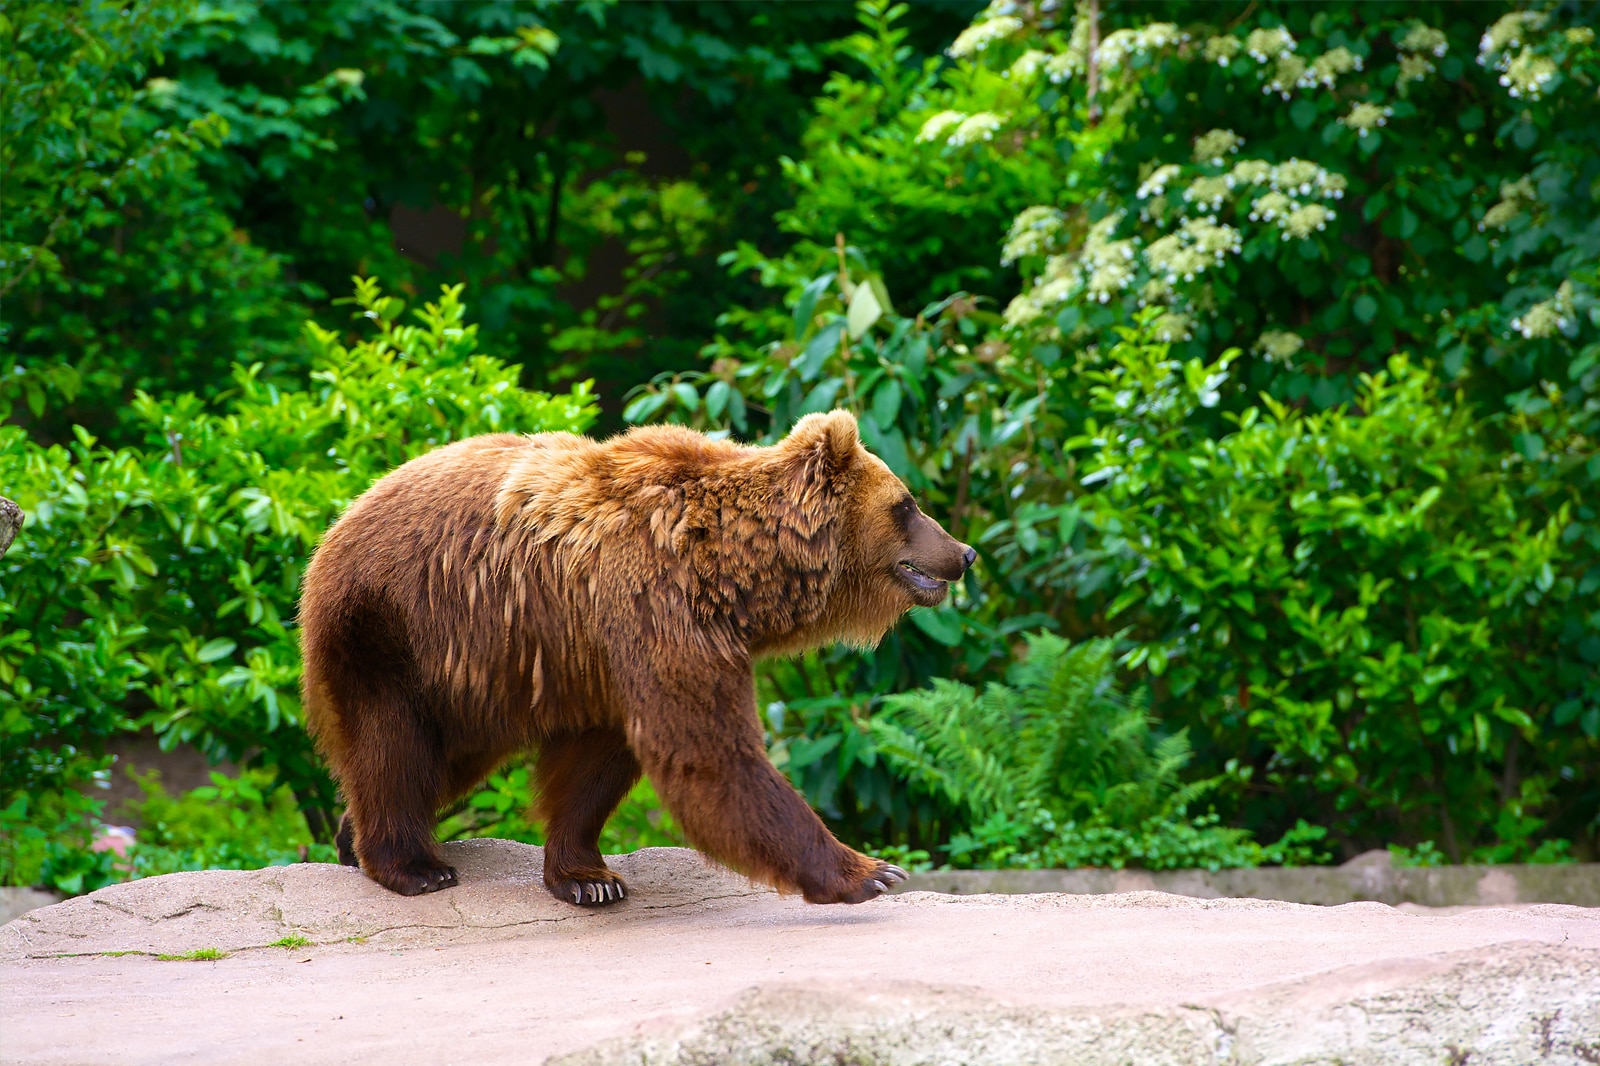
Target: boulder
[(314, 963)]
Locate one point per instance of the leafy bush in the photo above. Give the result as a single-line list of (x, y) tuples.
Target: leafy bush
[(503, 808), (1354, 595), (155, 585), (1059, 768), (118, 269), (1420, 180), (234, 823)]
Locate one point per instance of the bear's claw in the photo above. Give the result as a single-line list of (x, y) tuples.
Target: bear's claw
[(589, 893), (419, 878)]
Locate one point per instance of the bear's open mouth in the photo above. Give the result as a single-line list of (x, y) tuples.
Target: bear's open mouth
[(919, 579)]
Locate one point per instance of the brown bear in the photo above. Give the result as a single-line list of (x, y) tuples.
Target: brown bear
[(601, 603)]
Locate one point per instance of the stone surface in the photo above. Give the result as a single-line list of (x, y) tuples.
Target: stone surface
[(1371, 878), (10, 523), (15, 902), (699, 966)]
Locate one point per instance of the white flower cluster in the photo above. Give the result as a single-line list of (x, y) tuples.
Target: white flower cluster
[(1293, 175), (958, 128), (1104, 267), (1265, 45), (980, 35), (1028, 64), (1075, 60), (1061, 68), (980, 127), (1198, 243), (1548, 317), (1212, 146), (1365, 117), (1290, 72), (1271, 207), (939, 126), (1526, 73), (1413, 67), (1279, 345), (1297, 221), (1327, 68), (1122, 45), (1305, 220), (1514, 197), (1156, 183), (1033, 233), (1209, 192), (1171, 326), (1221, 50), (1421, 38), (1506, 34)]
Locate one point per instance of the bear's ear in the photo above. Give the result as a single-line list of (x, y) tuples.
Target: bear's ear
[(825, 442), (814, 458)]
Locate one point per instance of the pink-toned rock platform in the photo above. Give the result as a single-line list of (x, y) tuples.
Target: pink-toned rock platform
[(699, 966)]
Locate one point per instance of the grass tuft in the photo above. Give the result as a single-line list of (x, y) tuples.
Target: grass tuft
[(293, 940), (197, 955)]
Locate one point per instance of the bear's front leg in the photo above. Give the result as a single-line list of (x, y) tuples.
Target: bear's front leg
[(694, 728), (582, 777)]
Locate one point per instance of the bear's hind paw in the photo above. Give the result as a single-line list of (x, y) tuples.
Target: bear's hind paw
[(417, 878)]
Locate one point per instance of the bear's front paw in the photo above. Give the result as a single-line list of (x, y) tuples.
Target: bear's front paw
[(587, 887), (862, 879)]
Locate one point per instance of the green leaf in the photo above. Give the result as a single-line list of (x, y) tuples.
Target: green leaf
[(212, 650), (821, 397), (942, 624), (807, 303), (1407, 219), (1365, 308), (886, 402), (686, 394), (717, 398), (824, 344), (864, 311), (643, 407)]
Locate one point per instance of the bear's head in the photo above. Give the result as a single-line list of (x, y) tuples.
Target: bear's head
[(846, 509)]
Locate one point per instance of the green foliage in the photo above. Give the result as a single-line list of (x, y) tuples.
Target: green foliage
[(1059, 768), (1357, 595), (118, 269), (234, 823), (1427, 666), (503, 808), (867, 172), (155, 585), (182, 177)]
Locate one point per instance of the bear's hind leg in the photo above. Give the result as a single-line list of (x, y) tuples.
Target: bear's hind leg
[(392, 792), (582, 778), (345, 841)]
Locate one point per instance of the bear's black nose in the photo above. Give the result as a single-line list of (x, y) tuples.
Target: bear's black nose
[(969, 557)]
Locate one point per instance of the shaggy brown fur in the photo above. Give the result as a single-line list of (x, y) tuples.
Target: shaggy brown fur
[(602, 603)]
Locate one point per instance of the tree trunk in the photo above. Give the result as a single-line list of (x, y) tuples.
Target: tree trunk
[(10, 523)]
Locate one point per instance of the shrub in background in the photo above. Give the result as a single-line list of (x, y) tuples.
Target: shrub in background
[(155, 586), (1313, 245), (118, 268)]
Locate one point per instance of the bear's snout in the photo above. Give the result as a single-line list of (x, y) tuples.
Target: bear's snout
[(968, 557)]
